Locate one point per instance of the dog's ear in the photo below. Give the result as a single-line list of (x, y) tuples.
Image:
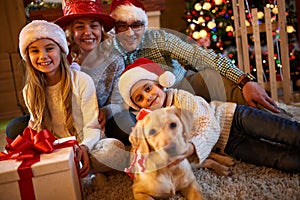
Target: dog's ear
[(137, 138), (186, 117)]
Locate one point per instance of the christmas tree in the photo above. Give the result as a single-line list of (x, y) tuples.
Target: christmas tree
[(211, 24)]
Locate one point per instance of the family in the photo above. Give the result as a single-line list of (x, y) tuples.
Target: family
[(89, 73)]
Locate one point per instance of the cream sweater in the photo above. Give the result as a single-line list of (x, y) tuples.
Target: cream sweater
[(84, 109), (212, 121)]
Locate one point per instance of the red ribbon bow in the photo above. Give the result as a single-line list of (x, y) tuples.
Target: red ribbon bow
[(27, 145)]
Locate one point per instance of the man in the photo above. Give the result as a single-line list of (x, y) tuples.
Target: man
[(133, 40)]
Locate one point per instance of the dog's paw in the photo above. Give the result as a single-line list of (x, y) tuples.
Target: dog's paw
[(217, 167), (228, 161), (222, 159), (224, 171)]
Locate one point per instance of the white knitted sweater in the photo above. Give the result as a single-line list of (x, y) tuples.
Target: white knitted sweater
[(84, 109), (212, 121)]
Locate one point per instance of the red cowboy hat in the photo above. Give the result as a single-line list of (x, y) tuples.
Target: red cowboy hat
[(74, 9)]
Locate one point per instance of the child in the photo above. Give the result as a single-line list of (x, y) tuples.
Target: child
[(60, 99), (243, 132)]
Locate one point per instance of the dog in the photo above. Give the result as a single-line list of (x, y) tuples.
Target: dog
[(159, 137)]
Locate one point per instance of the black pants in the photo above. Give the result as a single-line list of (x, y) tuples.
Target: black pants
[(261, 138), (16, 126), (119, 126)]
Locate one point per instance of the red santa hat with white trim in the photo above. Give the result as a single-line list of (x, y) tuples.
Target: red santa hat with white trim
[(143, 69), (128, 10)]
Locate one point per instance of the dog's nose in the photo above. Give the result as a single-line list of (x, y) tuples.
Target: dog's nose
[(170, 148)]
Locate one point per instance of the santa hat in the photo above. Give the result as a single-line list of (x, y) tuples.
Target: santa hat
[(142, 69), (39, 29), (128, 10), (74, 9)]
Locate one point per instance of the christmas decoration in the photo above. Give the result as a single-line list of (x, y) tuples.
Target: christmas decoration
[(211, 24)]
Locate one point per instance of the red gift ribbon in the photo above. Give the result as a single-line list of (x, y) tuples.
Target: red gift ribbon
[(28, 147)]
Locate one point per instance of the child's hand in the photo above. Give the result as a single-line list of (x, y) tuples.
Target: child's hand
[(83, 157)]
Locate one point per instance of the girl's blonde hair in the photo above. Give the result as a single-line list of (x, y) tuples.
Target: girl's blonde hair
[(37, 100)]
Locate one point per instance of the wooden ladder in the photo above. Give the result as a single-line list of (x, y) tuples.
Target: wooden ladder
[(255, 28)]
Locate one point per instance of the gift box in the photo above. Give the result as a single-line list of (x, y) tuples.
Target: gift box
[(55, 176)]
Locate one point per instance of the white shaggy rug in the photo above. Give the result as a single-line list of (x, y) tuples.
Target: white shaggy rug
[(247, 182)]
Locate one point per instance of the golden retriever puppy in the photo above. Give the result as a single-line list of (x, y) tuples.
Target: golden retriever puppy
[(157, 139)]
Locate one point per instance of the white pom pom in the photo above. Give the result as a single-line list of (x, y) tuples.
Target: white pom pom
[(167, 79)]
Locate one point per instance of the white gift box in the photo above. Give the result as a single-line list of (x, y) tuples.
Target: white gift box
[(55, 177)]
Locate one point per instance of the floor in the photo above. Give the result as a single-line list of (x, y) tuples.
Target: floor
[(2, 140)]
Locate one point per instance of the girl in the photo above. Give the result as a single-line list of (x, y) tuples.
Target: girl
[(243, 132), (58, 98)]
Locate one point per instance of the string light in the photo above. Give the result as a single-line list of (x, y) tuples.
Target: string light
[(211, 24), (206, 6), (218, 2), (290, 29)]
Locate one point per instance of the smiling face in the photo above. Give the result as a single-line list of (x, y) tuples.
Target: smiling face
[(45, 56), (148, 94), (87, 33), (130, 33)]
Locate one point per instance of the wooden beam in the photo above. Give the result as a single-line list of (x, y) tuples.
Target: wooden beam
[(243, 29), (257, 48), (238, 39), (270, 44), (262, 28), (284, 53)]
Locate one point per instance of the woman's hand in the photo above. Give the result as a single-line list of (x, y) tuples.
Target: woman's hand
[(83, 156)]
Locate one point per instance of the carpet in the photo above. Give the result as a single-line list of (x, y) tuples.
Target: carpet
[(247, 182)]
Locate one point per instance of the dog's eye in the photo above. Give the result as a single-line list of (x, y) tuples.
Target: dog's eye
[(172, 125), (152, 131)]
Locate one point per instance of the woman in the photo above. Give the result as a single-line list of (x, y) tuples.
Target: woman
[(85, 26)]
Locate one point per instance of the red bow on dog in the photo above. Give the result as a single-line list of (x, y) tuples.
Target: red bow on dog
[(143, 112)]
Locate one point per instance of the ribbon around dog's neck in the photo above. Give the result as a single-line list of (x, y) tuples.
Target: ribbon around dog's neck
[(137, 165), (143, 112)]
